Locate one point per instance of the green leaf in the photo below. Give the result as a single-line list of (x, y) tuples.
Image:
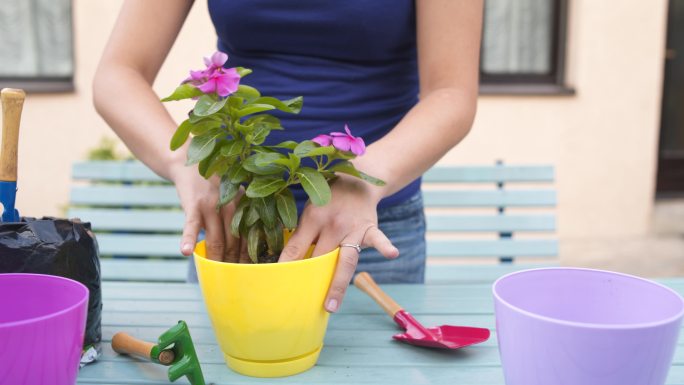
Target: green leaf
[(253, 243), (242, 71), (244, 129), (292, 162), (310, 148), (237, 216), (287, 209), (252, 215), (288, 144), (204, 164), (181, 135), (274, 239), (217, 164), (304, 148), (371, 179), (247, 92), (234, 102), (227, 191), (264, 159), (315, 185), (236, 173), (203, 126), (201, 147), (292, 106), (266, 207), (253, 109), (347, 167), (262, 126), (323, 150), (207, 105), (231, 148), (268, 169), (193, 118), (184, 91), (263, 186)]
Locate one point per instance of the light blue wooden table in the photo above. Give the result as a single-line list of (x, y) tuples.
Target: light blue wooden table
[(358, 346)]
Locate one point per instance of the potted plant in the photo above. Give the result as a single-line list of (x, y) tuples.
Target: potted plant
[(268, 317)]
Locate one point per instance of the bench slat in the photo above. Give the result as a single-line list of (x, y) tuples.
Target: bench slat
[(143, 270), (489, 174), (172, 221), (490, 198), (131, 220), (130, 171), (124, 196), (492, 248), (136, 171), (144, 245), (485, 223)]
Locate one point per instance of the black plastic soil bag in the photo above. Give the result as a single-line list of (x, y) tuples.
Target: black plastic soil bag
[(56, 247)]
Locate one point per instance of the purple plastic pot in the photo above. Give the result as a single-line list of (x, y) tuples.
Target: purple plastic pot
[(42, 325), (567, 326)]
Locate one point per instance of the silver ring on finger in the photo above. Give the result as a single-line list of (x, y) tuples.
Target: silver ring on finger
[(355, 246)]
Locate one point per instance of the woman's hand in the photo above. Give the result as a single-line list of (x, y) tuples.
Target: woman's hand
[(198, 198), (350, 217)]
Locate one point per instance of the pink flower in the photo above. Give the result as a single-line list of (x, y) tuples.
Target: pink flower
[(223, 82), (215, 78), (323, 140), (343, 141)]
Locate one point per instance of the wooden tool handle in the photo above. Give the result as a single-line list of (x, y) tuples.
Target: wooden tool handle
[(365, 282), (12, 103), (124, 343)]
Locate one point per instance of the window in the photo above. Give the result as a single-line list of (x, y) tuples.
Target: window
[(523, 45), (36, 45)]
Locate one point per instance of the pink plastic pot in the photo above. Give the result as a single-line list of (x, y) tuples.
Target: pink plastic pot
[(567, 326), (42, 325)]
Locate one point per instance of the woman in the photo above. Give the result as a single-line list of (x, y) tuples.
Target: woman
[(354, 61)]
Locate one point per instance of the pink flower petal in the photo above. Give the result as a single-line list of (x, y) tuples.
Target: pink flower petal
[(218, 59), (358, 147), (346, 128), (323, 140), (208, 87), (338, 134), (341, 143)]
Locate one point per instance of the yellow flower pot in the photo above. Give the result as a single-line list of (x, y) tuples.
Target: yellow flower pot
[(268, 319)]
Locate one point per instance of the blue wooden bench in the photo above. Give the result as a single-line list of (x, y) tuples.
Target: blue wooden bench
[(138, 220)]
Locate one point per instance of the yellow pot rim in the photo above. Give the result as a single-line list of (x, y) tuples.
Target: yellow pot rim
[(330, 254)]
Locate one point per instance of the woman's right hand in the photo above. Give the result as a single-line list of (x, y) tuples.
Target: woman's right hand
[(198, 197)]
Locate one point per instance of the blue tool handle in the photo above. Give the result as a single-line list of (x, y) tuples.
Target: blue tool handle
[(12, 103)]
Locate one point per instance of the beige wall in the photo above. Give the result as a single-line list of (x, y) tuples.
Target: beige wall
[(602, 140)]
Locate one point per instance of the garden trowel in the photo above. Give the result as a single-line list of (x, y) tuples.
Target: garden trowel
[(445, 336)]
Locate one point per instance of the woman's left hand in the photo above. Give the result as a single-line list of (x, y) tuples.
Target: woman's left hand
[(351, 218)]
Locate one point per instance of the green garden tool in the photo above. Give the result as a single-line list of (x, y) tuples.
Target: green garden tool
[(174, 348)]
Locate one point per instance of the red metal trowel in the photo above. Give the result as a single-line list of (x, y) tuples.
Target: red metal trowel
[(445, 336)]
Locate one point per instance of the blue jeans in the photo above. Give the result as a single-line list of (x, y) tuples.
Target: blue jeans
[(404, 225)]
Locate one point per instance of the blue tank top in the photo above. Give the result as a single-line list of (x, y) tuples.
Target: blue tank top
[(354, 61)]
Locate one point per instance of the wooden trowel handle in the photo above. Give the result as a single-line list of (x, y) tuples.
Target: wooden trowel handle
[(124, 343), (365, 282), (12, 103)]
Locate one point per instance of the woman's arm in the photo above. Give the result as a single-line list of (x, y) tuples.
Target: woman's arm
[(448, 56), (122, 93), (448, 63)]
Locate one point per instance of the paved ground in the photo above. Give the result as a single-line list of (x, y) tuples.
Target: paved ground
[(658, 255)]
